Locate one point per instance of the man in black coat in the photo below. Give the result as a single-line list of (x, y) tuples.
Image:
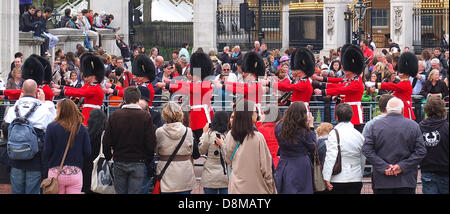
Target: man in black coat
[(26, 22), (394, 146)]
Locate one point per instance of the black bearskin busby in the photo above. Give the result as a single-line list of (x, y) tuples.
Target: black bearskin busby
[(144, 67), (92, 65), (408, 64), (32, 69), (47, 68), (303, 59), (254, 64), (200, 60), (353, 59)]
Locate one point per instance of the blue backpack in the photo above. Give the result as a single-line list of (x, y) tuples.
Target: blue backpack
[(22, 138)]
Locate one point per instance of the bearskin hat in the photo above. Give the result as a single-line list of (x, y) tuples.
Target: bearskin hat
[(408, 64), (144, 67), (353, 59), (254, 64), (303, 59), (92, 65), (47, 68), (32, 69), (200, 60)]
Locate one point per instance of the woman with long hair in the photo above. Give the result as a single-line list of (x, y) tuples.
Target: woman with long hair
[(214, 176), (68, 129), (296, 138), (248, 154), (96, 126)]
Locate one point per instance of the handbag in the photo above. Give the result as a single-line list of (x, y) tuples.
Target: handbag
[(157, 186), (101, 177), (51, 185), (318, 181), (337, 168)]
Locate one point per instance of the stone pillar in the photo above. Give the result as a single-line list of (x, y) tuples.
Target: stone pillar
[(28, 45), (333, 24), (285, 24), (119, 8), (9, 35), (402, 22), (205, 25)]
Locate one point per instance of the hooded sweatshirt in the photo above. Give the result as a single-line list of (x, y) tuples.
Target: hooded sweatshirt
[(435, 134)]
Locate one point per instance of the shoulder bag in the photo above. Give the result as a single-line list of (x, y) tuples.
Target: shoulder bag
[(319, 182), (51, 185), (101, 177), (157, 185), (337, 168)]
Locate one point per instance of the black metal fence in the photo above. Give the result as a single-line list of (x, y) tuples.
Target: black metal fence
[(429, 27), (229, 32)]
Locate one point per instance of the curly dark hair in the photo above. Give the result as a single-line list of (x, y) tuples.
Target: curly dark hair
[(435, 108), (220, 122), (96, 123), (295, 120)]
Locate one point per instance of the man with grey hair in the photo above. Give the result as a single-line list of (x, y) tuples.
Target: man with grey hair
[(225, 56), (226, 71), (394, 146), (183, 63), (159, 62), (418, 81)]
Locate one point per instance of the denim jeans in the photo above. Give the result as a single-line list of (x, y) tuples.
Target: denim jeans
[(179, 193), (53, 40), (25, 182), (434, 184), (128, 177), (221, 191), (146, 182)]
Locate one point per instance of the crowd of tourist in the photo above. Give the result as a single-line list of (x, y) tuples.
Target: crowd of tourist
[(253, 149)]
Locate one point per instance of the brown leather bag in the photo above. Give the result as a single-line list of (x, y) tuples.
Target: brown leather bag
[(337, 168), (51, 185)]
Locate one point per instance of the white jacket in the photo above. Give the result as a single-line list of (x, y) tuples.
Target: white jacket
[(44, 114), (353, 161)]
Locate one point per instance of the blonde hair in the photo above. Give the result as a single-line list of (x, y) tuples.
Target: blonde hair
[(434, 71), (172, 113), (70, 118), (324, 129), (14, 72), (380, 68)]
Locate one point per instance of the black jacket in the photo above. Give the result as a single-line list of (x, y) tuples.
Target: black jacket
[(26, 23), (63, 21), (435, 135), (440, 87)]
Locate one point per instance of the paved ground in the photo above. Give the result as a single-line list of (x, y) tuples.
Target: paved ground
[(367, 187)]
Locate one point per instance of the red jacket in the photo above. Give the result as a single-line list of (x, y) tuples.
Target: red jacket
[(351, 92), (252, 91), (199, 94), (301, 91), (118, 91), (93, 95), (15, 94), (268, 131), (403, 91), (367, 52)]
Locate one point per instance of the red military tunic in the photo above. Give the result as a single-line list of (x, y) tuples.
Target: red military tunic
[(353, 91), (119, 91), (93, 95), (252, 91), (402, 90), (200, 94), (301, 91), (15, 94)]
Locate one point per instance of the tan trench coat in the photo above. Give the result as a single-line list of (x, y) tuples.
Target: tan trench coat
[(212, 175)]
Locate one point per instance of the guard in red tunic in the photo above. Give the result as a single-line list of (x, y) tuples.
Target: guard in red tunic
[(302, 67), (351, 92), (93, 73), (200, 93), (407, 67), (39, 69), (144, 70), (253, 67)]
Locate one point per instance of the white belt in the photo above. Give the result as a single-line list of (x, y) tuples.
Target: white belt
[(258, 106), (206, 109), (360, 114), (92, 106)]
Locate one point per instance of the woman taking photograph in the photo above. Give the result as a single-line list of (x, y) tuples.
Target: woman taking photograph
[(179, 177), (214, 176), (67, 129), (296, 138), (248, 155)]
